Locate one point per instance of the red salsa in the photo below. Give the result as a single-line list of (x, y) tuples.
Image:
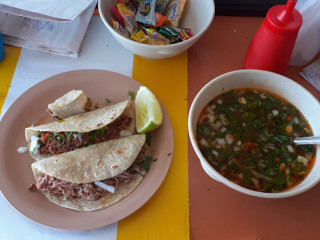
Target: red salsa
[(247, 136)]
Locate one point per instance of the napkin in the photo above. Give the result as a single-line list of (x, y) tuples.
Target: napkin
[(46, 9), (55, 26), (311, 73)]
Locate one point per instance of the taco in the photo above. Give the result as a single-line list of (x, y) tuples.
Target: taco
[(71, 103), (93, 177), (81, 130)]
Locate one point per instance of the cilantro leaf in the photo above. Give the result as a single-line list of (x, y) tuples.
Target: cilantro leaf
[(131, 95)]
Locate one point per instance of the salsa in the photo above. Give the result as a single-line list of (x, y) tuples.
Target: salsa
[(247, 136)]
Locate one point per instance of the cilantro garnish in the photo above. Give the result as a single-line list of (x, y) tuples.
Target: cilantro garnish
[(131, 95), (107, 100), (68, 134), (60, 138), (146, 162), (148, 138)]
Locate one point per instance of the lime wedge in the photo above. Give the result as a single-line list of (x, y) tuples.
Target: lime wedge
[(148, 111)]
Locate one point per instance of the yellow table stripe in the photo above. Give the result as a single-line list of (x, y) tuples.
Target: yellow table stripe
[(7, 68), (166, 214)]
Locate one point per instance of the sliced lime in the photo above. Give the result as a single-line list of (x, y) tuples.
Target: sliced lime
[(148, 111)]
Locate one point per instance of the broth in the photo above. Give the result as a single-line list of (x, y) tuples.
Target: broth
[(247, 136)]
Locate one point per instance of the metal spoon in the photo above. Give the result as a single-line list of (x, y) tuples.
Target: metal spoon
[(307, 140)]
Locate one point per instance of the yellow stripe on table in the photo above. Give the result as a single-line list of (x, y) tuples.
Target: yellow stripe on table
[(166, 215), (7, 68)]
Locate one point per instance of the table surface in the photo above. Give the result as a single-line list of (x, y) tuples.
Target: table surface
[(216, 210), (188, 204)]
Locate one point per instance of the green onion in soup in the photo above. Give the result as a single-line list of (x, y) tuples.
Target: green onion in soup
[(247, 136)]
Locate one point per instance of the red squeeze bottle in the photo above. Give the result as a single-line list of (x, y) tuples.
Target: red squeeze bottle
[(272, 46)]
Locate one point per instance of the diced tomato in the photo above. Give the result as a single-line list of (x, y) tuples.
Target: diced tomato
[(45, 135), (289, 117)]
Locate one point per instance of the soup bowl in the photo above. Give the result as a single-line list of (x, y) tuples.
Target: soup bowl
[(274, 83), (197, 15)]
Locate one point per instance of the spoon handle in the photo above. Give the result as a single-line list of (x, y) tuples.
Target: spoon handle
[(307, 140)]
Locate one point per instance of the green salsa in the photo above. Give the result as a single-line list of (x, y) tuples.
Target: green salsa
[(247, 136)]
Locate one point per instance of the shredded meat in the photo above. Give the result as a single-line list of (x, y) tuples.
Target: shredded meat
[(33, 188), (88, 191), (55, 145), (91, 105)]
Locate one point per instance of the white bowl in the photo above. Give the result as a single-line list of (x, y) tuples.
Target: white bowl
[(272, 82), (197, 15)]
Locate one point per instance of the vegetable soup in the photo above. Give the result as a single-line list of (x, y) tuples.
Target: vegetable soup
[(247, 136)]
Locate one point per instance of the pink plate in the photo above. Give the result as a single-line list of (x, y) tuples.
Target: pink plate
[(30, 108)]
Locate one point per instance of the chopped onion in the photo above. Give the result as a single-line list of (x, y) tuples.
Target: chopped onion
[(242, 100), (303, 159), (255, 181), (287, 171), (214, 152), (290, 148), (229, 138), (263, 96), (203, 142), (212, 106), (217, 125), (221, 141), (271, 146), (262, 138), (219, 101), (22, 150), (125, 133), (34, 143), (259, 175), (224, 167), (223, 129), (275, 112), (296, 120), (223, 119), (209, 110), (104, 186), (77, 136), (211, 118)]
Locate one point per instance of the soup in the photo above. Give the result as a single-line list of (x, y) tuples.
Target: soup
[(247, 136)]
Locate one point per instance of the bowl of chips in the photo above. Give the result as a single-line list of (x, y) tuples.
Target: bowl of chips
[(157, 29)]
